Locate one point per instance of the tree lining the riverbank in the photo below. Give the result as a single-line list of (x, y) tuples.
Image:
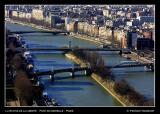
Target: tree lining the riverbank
[(122, 88), (17, 76), (95, 61)]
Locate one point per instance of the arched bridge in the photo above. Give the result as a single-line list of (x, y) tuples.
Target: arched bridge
[(125, 64), (52, 32)]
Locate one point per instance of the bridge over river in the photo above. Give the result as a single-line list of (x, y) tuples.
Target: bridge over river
[(125, 64), (65, 49), (70, 70), (68, 91)]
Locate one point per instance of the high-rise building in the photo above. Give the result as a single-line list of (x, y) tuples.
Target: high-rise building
[(131, 40), (56, 20)]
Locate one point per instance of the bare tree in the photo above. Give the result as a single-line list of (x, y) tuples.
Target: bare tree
[(23, 86)]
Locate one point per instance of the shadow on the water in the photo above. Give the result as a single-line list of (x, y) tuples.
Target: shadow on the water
[(46, 77), (72, 83), (108, 53), (64, 88), (53, 64), (68, 77), (43, 61), (59, 97), (46, 52)]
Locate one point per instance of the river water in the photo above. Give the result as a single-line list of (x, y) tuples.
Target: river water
[(82, 90)]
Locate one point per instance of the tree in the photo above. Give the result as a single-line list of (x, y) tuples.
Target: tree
[(122, 87), (136, 98), (149, 102), (23, 88), (93, 61), (100, 65), (107, 73)]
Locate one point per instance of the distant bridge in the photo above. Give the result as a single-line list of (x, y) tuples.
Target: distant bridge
[(53, 32), (71, 49), (70, 70), (125, 64)]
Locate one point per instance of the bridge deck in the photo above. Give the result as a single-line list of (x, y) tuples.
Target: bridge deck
[(71, 49), (60, 71)]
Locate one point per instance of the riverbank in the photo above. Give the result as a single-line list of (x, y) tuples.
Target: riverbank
[(107, 85), (30, 25), (133, 56), (75, 59), (85, 37), (111, 60)]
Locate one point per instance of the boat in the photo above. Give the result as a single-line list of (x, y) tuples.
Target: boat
[(49, 101), (148, 68)]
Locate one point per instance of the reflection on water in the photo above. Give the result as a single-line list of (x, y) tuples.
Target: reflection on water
[(82, 90), (79, 91), (71, 83)]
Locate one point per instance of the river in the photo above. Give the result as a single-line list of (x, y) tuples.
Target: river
[(83, 90)]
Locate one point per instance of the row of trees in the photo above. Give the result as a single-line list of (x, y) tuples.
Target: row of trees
[(123, 88), (24, 89), (95, 61)]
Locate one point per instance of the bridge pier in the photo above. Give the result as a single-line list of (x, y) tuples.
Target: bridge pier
[(88, 72), (120, 52), (72, 74), (52, 77)]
